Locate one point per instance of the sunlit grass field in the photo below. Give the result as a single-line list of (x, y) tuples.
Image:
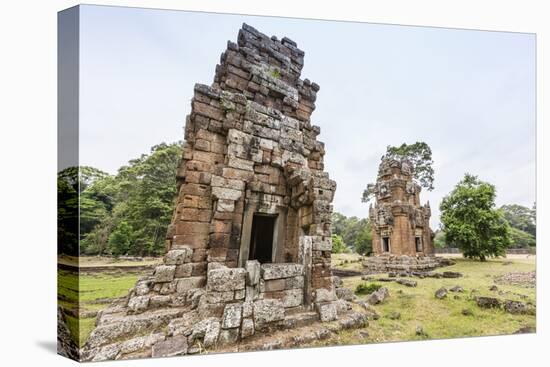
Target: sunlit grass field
[(443, 318), (89, 293)]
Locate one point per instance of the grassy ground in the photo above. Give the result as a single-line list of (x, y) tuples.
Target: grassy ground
[(89, 293), (347, 261), (417, 306), (443, 318), (102, 261)]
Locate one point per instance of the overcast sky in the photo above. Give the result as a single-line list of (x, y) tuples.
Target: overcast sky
[(469, 94)]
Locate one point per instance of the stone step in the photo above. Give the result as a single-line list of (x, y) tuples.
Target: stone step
[(116, 327), (300, 319)]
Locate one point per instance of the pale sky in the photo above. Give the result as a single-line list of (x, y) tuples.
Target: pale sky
[(469, 94)]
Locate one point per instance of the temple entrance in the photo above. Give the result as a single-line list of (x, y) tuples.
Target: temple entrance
[(418, 244), (261, 239), (386, 244)]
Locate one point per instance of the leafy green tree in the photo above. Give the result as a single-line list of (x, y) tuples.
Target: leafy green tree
[(521, 239), (420, 155), (67, 214), (121, 239), (339, 223), (355, 232), (440, 240), (338, 245), (470, 220), (363, 243), (142, 195), (521, 218)]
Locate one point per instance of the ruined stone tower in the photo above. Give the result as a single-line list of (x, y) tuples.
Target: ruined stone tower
[(249, 245), (401, 234)]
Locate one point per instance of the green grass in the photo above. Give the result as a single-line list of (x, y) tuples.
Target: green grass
[(91, 292), (444, 318), (347, 261), (80, 329)]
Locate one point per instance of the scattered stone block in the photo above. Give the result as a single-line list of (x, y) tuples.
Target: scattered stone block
[(488, 302), (173, 346), (164, 273), (406, 282), (394, 315), (327, 311), (441, 293), (518, 308), (378, 296)]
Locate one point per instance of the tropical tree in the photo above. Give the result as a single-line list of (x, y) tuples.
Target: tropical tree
[(440, 240), (470, 220), (521, 218), (338, 245), (134, 205), (355, 232), (420, 155)]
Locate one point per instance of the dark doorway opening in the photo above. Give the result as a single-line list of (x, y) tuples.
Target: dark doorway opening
[(386, 244), (418, 243), (261, 239)]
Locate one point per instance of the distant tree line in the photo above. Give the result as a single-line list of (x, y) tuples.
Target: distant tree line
[(351, 234), (123, 214)]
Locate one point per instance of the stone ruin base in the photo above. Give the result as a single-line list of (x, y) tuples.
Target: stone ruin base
[(237, 308), (403, 263)]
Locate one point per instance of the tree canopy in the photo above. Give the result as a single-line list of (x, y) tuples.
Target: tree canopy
[(521, 218), (123, 214), (471, 222), (420, 156), (354, 232)]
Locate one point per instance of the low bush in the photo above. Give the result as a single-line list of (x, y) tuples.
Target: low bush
[(364, 288)]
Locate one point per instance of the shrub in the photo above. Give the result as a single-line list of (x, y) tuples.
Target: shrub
[(364, 288)]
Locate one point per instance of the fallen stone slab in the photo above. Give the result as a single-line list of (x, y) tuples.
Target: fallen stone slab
[(518, 308), (406, 282), (394, 315), (488, 302), (378, 296), (173, 346), (451, 274), (457, 289), (441, 293)]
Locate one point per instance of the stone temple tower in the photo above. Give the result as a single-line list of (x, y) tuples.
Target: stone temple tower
[(249, 246), (400, 224)]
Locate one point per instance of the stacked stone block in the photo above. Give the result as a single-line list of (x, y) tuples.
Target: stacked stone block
[(399, 216), (250, 147)]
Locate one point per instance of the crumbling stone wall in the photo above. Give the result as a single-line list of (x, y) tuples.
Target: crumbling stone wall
[(250, 149)]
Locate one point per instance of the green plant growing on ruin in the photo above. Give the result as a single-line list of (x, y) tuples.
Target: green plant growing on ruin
[(364, 288), (226, 104), (275, 73), (472, 223)]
